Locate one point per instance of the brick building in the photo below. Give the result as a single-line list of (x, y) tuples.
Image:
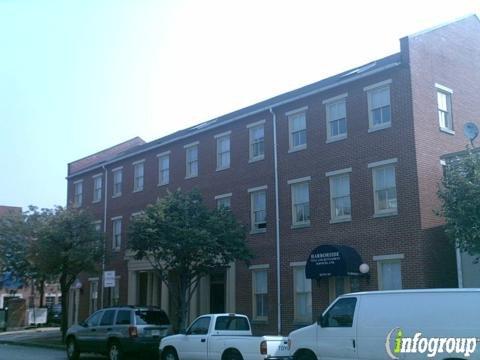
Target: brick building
[(351, 161)]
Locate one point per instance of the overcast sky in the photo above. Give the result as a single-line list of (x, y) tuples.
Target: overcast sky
[(80, 76)]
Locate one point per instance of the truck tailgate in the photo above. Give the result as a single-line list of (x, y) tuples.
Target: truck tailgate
[(277, 346)]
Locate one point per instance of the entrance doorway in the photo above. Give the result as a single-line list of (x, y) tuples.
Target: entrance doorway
[(217, 292)]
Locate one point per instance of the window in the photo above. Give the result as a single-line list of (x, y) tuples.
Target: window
[(163, 169), (151, 317), (257, 146), (341, 208), (233, 323), (339, 285), (200, 326), (107, 318), (444, 100), (117, 234), (260, 295), (123, 317), (93, 295), (300, 204), (223, 152), (297, 125), (389, 274), (117, 182), (192, 161), (340, 314), (98, 226), (78, 193), (97, 188), (379, 113), (223, 201), (259, 210), (94, 319), (138, 169), (385, 190), (302, 295), (336, 120)]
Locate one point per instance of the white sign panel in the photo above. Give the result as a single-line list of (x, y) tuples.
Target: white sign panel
[(109, 279)]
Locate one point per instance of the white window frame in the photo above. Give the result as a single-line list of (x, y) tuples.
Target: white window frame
[(251, 129), (328, 104), (220, 198), (162, 178), (253, 192), (255, 270), (374, 167), (381, 259), (136, 179), (293, 183), (291, 117), (116, 237), (117, 171), (332, 175), (188, 148), (78, 195), (449, 115), (297, 318), (97, 191), (370, 89), (219, 139)]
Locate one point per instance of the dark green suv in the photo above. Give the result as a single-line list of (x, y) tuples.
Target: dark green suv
[(119, 331)]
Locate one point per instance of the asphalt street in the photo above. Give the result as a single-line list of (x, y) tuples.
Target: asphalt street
[(13, 352)]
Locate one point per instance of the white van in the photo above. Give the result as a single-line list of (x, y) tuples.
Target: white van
[(405, 324)]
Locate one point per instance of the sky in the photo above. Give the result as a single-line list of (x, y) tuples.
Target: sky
[(78, 76)]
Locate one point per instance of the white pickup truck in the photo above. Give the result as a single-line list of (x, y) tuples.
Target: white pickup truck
[(223, 337)]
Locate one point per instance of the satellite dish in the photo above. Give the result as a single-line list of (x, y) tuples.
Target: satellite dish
[(471, 131)]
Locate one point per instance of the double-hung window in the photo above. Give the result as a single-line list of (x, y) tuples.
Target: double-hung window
[(389, 269), (340, 202), (163, 168), (257, 139), (117, 233), (297, 128), (336, 109), (444, 101), (224, 201), (379, 112), (78, 193), (223, 151), (260, 294), (384, 187), (191, 152), (258, 199), (117, 182), (138, 179), (302, 295), (300, 201), (97, 188)]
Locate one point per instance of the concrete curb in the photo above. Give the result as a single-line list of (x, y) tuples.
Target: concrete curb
[(32, 344)]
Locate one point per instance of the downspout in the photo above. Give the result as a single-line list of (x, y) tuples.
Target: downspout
[(277, 221), (100, 282)]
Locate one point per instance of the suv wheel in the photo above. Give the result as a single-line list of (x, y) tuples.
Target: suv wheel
[(72, 350), (114, 351), (169, 354)]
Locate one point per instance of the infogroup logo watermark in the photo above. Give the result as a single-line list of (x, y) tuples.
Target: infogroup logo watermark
[(397, 343)]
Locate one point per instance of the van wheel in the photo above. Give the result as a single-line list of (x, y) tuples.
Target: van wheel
[(169, 354), (304, 355), (232, 355), (115, 351), (72, 349)]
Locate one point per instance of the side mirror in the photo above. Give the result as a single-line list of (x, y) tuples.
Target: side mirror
[(321, 321), (83, 324), (182, 332)]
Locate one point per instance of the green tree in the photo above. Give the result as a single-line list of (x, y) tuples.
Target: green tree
[(183, 241), (460, 201), (67, 245)]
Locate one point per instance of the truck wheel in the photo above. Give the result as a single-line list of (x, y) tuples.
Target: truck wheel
[(232, 355), (169, 354), (72, 349), (115, 351)]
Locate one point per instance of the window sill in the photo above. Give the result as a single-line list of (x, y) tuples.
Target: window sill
[(116, 196), (380, 127), (298, 148), (116, 250), (336, 138), (385, 214), (96, 201), (223, 168), (137, 190), (340, 220), (300, 226), (259, 231), (447, 130), (190, 177), (159, 185), (256, 159), (260, 321)]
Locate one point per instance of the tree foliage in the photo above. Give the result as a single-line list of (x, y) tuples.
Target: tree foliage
[(183, 240), (460, 197)]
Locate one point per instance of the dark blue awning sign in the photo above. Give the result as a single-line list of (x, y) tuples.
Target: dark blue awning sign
[(333, 260)]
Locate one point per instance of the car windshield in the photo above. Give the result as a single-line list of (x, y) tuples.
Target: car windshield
[(151, 317)]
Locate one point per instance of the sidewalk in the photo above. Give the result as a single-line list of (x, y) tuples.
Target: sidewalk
[(42, 337)]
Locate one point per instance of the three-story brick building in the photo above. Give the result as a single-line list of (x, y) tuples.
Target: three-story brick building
[(351, 161)]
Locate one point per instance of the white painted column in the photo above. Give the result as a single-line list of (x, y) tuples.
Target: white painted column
[(132, 287), (194, 306), (230, 280), (164, 301)]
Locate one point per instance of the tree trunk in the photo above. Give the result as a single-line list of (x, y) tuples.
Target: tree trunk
[(42, 291), (64, 289)]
